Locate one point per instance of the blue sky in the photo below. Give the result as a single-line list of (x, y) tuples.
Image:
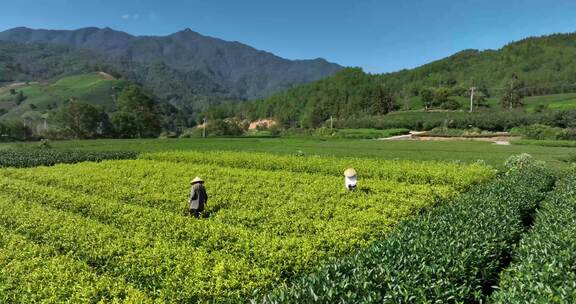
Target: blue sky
[(380, 36)]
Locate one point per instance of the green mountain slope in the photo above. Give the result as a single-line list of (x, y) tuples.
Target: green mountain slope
[(97, 89), (545, 65), (21, 62), (238, 69)]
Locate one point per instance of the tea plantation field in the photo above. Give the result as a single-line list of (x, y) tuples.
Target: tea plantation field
[(448, 151), (114, 231)]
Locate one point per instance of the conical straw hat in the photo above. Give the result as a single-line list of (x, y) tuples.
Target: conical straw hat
[(350, 172), (197, 180)]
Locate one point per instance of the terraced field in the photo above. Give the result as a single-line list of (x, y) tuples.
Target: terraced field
[(94, 88)]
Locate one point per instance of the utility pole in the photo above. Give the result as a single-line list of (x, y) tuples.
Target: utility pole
[(472, 89), (204, 129), (511, 93)]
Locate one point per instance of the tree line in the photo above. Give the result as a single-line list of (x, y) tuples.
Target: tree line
[(353, 94), (137, 115), (530, 67)]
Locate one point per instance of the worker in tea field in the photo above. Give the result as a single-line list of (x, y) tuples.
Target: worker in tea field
[(198, 197), (350, 179)]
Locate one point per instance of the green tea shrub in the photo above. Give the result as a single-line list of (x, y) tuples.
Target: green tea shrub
[(461, 176), (543, 265), (540, 132), (47, 157), (452, 254), (269, 220)]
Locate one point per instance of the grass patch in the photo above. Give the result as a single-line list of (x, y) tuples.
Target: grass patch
[(91, 88), (546, 143)]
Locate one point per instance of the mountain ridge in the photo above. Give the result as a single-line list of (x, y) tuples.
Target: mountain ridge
[(246, 72), (538, 65)]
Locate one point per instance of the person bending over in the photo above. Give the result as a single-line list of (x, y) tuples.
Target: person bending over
[(198, 198)]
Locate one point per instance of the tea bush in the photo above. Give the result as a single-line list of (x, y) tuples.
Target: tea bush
[(452, 254), (34, 158), (268, 221), (543, 265), (458, 175)]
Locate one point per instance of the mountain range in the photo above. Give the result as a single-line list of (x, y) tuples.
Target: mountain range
[(196, 73), (184, 68)]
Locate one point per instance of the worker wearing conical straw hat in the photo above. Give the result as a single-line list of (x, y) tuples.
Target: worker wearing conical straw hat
[(350, 179), (198, 197)]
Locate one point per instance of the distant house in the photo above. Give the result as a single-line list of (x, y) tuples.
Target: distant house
[(262, 123)]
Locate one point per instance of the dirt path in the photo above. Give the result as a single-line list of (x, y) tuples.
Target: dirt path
[(415, 135), (15, 85), (106, 76), (410, 136)]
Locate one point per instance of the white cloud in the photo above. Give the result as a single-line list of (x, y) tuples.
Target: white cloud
[(130, 16)]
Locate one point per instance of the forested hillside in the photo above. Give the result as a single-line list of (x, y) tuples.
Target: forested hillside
[(502, 78), (545, 64), (171, 63), (21, 62), (349, 92)]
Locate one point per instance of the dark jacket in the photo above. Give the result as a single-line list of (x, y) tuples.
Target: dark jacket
[(198, 197)]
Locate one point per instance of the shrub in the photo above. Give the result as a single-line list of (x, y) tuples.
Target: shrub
[(47, 157), (540, 132), (14, 130), (450, 104), (520, 162), (485, 120), (452, 254), (224, 127), (261, 227), (461, 176), (568, 134), (324, 132), (369, 133), (543, 264), (192, 133)]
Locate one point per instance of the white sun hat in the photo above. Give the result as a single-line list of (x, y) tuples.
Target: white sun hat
[(197, 180), (350, 172)]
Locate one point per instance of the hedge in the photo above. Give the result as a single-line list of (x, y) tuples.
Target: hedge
[(544, 264), (35, 158), (453, 253)]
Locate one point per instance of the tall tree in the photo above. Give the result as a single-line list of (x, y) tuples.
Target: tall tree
[(440, 96), (384, 101), (137, 114), (79, 119), (20, 97), (513, 93), (427, 97)]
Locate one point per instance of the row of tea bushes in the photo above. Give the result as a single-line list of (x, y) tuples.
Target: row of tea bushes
[(544, 264), (35, 158), (460, 176), (260, 228), (453, 254), (33, 273)]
